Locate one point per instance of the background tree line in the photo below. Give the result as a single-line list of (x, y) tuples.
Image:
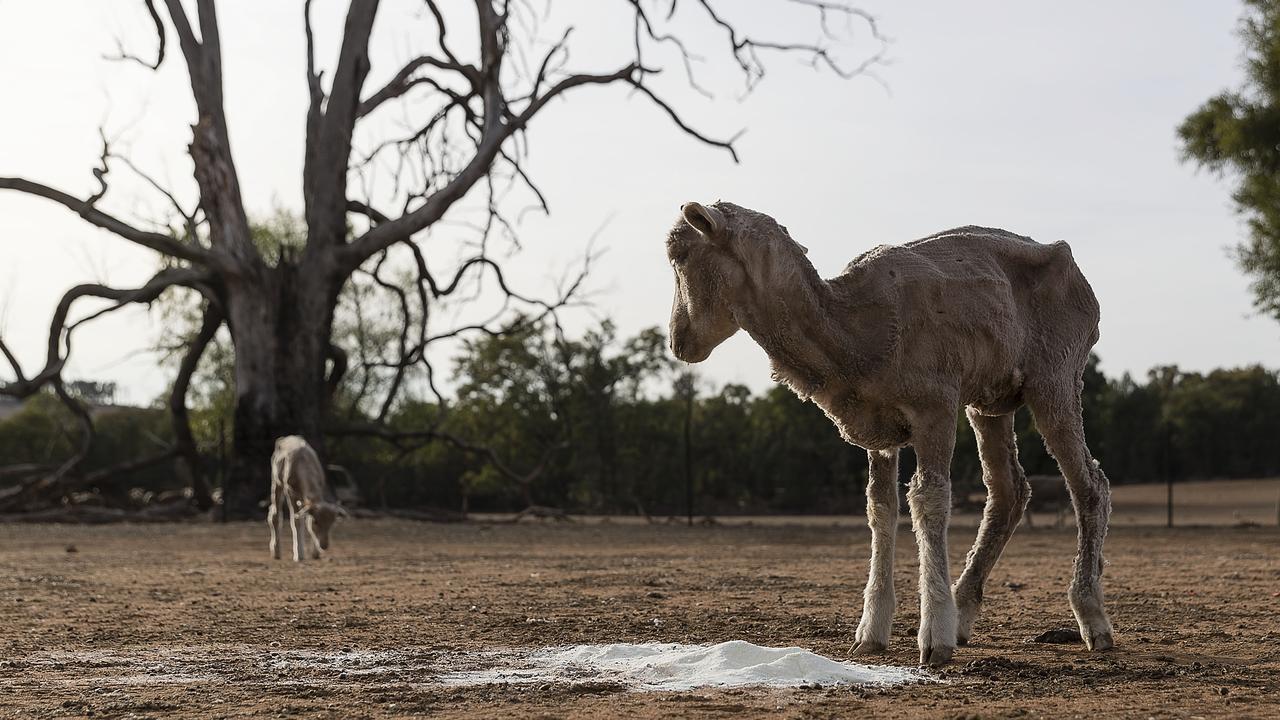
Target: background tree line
[(596, 423)]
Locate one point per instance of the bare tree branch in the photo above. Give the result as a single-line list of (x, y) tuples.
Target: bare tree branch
[(62, 484), (60, 337), (329, 138), (210, 148), (497, 120), (684, 127), (163, 244), (313, 77), (184, 443), (60, 331), (403, 81), (406, 316), (160, 35), (189, 222), (496, 131), (745, 47), (337, 370), (97, 476), (360, 208), (13, 362)]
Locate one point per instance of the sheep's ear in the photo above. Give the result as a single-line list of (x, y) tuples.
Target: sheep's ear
[(707, 221)]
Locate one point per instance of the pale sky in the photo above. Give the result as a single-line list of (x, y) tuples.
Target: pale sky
[(1054, 120)]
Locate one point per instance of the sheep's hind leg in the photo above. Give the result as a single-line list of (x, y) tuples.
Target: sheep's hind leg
[(878, 601), (299, 535), (930, 500), (315, 545), (1007, 495), (1060, 421)]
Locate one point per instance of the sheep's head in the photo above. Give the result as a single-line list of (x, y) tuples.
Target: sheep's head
[(320, 518), (716, 251)]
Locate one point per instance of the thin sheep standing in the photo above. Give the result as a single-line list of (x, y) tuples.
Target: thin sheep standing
[(891, 350), (297, 484)]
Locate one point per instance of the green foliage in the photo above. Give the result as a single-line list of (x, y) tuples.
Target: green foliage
[(618, 408), (605, 420), (1238, 133), (280, 234), (124, 434), (44, 432), (1224, 423), (798, 461), (624, 431)]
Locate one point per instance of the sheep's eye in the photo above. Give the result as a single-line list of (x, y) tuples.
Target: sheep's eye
[(678, 255)]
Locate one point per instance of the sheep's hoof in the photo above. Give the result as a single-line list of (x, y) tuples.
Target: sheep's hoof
[(936, 657), (869, 647), (1100, 642), (966, 613)]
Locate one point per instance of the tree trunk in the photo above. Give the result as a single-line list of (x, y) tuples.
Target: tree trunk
[(280, 326), (184, 442)]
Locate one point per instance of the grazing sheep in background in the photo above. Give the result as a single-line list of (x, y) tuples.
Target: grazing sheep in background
[(1048, 494), (297, 483), (891, 350)]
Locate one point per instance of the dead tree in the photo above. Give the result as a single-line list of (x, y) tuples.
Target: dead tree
[(469, 114)]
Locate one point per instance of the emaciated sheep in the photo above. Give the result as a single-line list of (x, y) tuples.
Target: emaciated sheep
[(297, 485), (891, 350)]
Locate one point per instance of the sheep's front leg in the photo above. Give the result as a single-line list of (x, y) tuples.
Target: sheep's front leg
[(878, 601), (273, 522), (930, 501), (299, 535)]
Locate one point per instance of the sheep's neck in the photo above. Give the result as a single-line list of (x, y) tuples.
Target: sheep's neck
[(797, 328)]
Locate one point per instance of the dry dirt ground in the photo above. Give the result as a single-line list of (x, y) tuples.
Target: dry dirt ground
[(195, 620)]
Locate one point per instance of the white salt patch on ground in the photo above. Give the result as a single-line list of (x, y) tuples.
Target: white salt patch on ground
[(652, 666), (671, 666)]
